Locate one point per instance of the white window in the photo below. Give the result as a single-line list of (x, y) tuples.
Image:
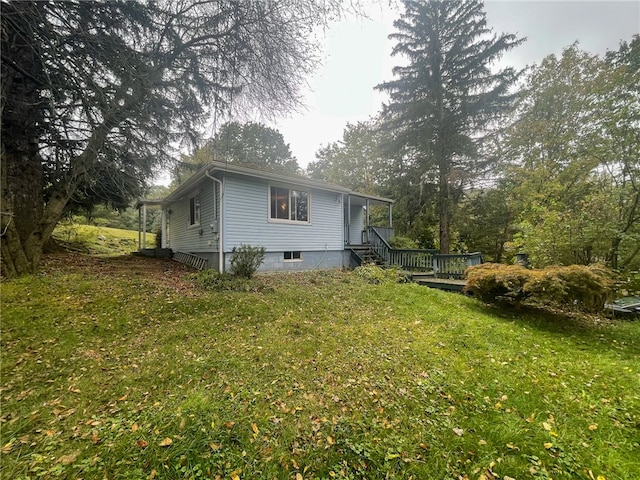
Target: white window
[(194, 210), (289, 204), (293, 256)]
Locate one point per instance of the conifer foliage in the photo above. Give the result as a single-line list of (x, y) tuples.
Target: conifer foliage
[(95, 94), (447, 97)]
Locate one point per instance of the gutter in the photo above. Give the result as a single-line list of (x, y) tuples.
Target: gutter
[(220, 222)]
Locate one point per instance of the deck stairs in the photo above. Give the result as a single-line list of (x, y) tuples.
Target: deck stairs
[(365, 255)]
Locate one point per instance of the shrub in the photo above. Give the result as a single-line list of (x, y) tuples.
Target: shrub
[(377, 275), (402, 243), (495, 281), (158, 239), (213, 280), (568, 288), (246, 260)]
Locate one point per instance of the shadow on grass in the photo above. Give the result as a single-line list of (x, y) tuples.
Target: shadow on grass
[(584, 330)]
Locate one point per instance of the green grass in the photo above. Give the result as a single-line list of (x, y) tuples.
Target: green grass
[(96, 240), (317, 375)]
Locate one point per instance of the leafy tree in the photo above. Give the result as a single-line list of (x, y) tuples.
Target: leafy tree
[(101, 91), (357, 161), (446, 98), (574, 151), (487, 222), (251, 144)]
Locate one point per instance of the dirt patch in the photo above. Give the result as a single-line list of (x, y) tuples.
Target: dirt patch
[(157, 270)]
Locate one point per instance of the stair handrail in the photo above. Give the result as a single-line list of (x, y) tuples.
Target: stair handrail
[(379, 245)]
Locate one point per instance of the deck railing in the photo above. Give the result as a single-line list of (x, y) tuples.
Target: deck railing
[(454, 265), (443, 266), (408, 259)]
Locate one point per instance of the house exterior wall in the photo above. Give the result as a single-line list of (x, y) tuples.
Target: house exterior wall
[(324, 260), (246, 219), (201, 239)]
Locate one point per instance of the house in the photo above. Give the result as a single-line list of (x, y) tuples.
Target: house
[(303, 224)]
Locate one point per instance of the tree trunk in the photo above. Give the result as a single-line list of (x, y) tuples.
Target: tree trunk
[(443, 207), (22, 172)]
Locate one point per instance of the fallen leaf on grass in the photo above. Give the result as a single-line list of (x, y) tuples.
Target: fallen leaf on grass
[(458, 431), (330, 440), (166, 442), (299, 476), (593, 427), (142, 443), (548, 445), (68, 459)]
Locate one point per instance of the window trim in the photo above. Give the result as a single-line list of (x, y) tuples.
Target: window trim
[(195, 224), (288, 220)]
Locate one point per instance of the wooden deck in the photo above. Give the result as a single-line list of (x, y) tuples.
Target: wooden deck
[(449, 284)]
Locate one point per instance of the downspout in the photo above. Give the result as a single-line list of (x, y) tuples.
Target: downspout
[(220, 222)]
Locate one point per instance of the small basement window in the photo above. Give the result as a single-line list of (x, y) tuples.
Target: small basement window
[(292, 256)]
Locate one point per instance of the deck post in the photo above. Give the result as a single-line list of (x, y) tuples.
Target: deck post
[(391, 215)]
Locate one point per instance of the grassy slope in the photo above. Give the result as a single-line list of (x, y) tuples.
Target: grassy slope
[(99, 240), (316, 376)]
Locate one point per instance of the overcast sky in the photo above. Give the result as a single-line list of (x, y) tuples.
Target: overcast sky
[(357, 57)]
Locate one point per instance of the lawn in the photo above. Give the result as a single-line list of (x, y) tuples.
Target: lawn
[(124, 368), (96, 240)]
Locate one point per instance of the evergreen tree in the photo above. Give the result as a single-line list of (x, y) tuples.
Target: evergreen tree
[(446, 99)]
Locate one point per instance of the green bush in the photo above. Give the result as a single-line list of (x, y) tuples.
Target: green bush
[(218, 282), (377, 275), (403, 243), (158, 239), (574, 287), (245, 260)]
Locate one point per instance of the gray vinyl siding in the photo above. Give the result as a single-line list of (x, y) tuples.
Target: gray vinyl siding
[(194, 239), (246, 219)]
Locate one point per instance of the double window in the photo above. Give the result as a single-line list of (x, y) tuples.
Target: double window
[(292, 256), (288, 204), (194, 210)]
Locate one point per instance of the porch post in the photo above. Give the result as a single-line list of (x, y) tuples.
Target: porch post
[(348, 219), (144, 225), (391, 215), (368, 204), (164, 229), (139, 231)]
